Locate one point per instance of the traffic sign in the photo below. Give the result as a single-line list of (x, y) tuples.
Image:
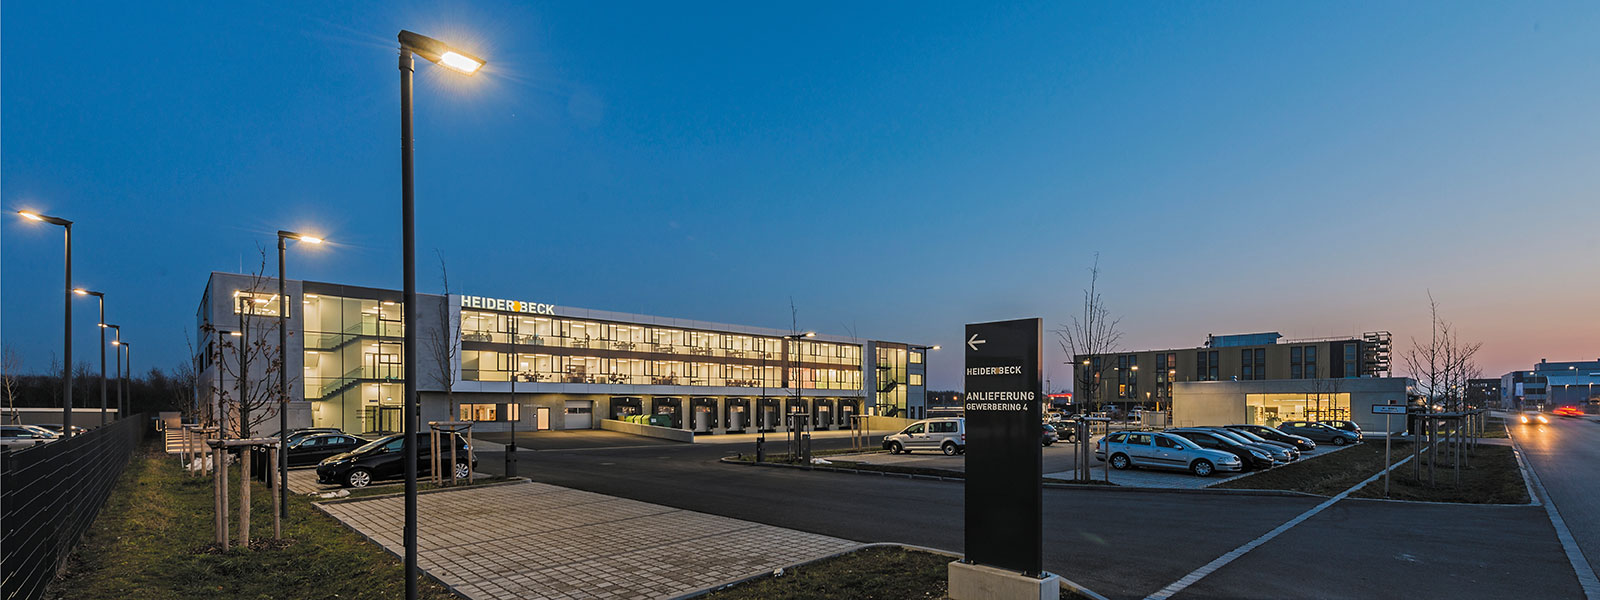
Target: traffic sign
[(1388, 409), (1004, 493)]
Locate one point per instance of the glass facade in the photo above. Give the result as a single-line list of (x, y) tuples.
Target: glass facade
[(1273, 409), (499, 346), (354, 362), (899, 375)]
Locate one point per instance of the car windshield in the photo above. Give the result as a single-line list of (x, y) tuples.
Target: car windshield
[(1238, 436), (375, 443)]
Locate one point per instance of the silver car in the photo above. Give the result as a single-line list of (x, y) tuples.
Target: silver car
[(1163, 451), (17, 437), (945, 434)]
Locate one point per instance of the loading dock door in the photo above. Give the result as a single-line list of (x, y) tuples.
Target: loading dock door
[(579, 415)]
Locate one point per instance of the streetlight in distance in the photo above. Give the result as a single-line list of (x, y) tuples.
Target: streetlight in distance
[(117, 360), (283, 371), (66, 329), (102, 298), (444, 55)]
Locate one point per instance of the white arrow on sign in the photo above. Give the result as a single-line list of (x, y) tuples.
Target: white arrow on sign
[(973, 343)]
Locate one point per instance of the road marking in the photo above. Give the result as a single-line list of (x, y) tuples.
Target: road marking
[(1580, 565), (1222, 561)]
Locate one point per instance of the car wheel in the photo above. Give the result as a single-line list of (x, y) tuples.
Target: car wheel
[(1119, 461), (358, 478), (949, 449), (1202, 468), (896, 448), (1340, 441), (463, 471)]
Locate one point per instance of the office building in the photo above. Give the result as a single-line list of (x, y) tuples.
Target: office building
[(535, 366), (1550, 384)]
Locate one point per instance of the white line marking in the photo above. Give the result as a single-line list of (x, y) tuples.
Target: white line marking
[(1580, 565), (1221, 561)]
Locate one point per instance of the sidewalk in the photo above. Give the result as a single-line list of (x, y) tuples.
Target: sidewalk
[(531, 540)]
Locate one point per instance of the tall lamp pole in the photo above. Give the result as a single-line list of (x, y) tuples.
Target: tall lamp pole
[(441, 54), (127, 375), (116, 359), (283, 372), (102, 298), (66, 328)]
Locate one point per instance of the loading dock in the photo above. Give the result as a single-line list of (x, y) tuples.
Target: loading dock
[(704, 415)]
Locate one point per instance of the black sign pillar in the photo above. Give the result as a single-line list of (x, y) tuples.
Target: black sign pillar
[(1004, 494)]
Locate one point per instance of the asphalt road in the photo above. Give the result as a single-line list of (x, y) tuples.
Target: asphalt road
[(1566, 455), (1122, 544)]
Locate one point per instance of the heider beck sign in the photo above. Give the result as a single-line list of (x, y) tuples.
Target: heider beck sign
[(1004, 494)]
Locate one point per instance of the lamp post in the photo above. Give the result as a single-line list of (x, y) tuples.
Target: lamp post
[(102, 298), (66, 329), (116, 359), (283, 371), (441, 54)]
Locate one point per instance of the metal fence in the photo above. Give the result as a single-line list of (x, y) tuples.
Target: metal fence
[(49, 494)]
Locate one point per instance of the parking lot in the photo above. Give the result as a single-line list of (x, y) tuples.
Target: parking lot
[(1059, 463)]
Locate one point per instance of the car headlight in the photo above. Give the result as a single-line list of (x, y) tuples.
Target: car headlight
[(1524, 418)]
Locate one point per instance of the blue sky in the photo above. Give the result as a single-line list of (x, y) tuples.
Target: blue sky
[(898, 168)]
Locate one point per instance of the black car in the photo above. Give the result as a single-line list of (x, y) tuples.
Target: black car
[(1301, 443), (384, 458), (56, 427), (311, 449), (295, 434), (1250, 458)]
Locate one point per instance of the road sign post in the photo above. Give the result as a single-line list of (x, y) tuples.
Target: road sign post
[(1388, 411), (1003, 490)]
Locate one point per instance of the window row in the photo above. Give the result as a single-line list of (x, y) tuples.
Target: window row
[(479, 326), (488, 365)]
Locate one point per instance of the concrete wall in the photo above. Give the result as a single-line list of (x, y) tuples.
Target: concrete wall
[(666, 433)]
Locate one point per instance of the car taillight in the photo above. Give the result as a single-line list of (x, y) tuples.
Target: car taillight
[(963, 437)]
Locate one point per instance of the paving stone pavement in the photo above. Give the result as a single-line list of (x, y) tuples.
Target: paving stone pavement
[(532, 540), (303, 480)]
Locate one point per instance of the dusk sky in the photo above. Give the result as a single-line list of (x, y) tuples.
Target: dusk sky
[(897, 168)]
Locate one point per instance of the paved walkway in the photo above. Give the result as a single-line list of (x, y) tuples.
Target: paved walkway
[(532, 540), (303, 480)]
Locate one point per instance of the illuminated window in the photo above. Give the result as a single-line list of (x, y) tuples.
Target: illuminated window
[(261, 304), (490, 412), (916, 379)]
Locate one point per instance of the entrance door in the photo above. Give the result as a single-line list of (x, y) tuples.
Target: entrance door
[(543, 415), (579, 415)]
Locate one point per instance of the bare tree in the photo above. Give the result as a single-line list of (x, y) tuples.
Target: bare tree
[(1443, 363), (249, 358), (10, 364), (443, 334), (1092, 335), (1089, 338)]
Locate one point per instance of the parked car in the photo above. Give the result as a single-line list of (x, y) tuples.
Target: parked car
[(295, 434), (1301, 443), (56, 428), (1340, 425), (945, 434), (310, 449), (17, 437), (1249, 457), (383, 458), (1319, 432), (1154, 450), (1049, 435), (1282, 453)]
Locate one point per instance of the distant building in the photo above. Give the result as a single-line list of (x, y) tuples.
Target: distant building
[(1483, 392), (1562, 383), (1146, 377)]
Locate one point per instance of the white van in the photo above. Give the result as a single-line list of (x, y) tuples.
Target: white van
[(945, 434)]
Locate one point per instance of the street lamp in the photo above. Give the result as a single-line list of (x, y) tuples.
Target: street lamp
[(102, 298), (443, 55), (283, 371), (66, 330), (115, 359)]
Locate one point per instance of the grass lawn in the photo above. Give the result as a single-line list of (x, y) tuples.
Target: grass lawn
[(153, 539), (870, 574), (1324, 475), (1495, 428), (1493, 478)]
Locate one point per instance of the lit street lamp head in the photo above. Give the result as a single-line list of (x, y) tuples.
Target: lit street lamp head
[(440, 53), (290, 235), (33, 216), (84, 292)]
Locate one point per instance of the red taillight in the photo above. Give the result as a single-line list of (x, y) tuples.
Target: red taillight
[(963, 437)]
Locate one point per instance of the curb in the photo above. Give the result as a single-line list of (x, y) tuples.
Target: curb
[(1048, 484), (1066, 583)]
